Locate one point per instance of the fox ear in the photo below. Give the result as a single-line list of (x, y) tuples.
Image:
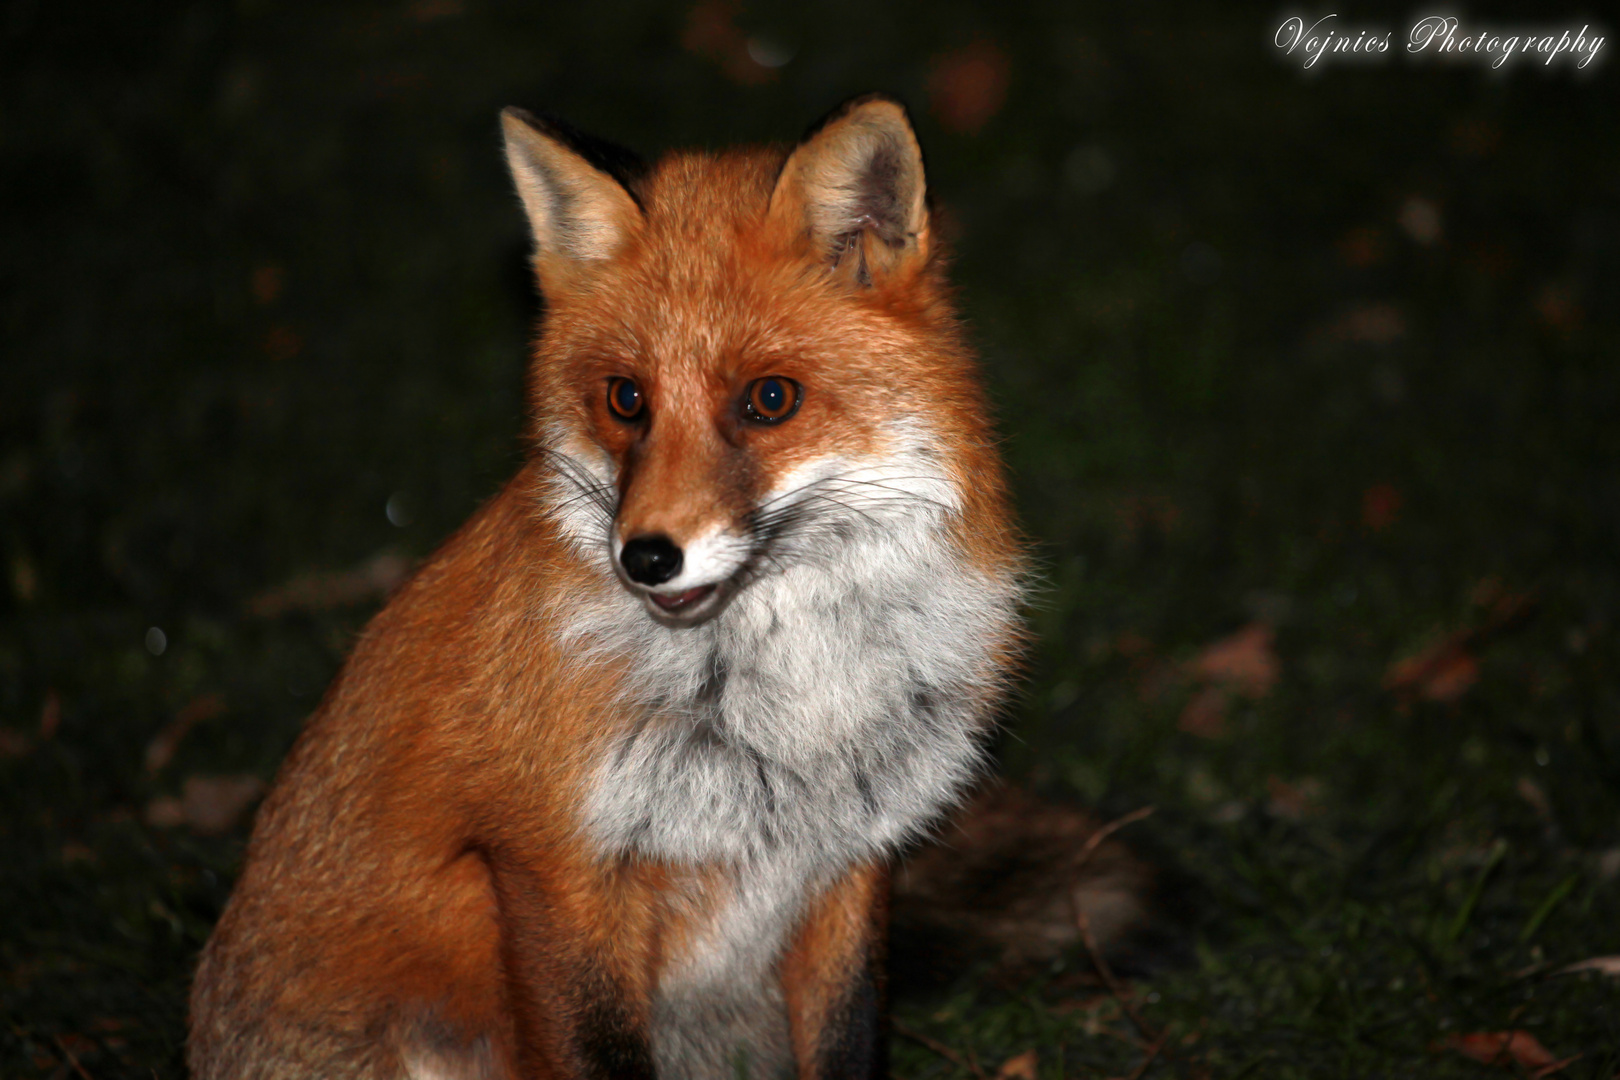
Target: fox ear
[(854, 187), (576, 190)]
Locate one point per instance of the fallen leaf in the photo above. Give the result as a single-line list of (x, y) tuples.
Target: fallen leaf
[(1243, 661), (1532, 793), (1204, 714), (1021, 1067), (1292, 800), (1447, 669), (209, 805), (968, 86), (1442, 672), (214, 803), (165, 812), (1605, 965), (322, 591), (1506, 1048)]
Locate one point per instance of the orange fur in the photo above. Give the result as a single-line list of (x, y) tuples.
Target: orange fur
[(420, 897)]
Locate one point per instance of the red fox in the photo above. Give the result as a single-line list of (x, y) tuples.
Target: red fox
[(611, 787)]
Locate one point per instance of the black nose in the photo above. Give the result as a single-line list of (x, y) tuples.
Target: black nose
[(651, 560)]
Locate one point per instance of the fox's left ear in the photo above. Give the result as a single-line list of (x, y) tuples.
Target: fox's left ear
[(854, 188), (577, 191)]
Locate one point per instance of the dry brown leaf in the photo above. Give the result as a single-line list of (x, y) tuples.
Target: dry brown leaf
[(165, 812), (1532, 793), (1507, 1049), (1204, 714), (968, 86), (215, 803), (1292, 801), (209, 805), (322, 591), (1447, 669), (1443, 672), (1244, 661), (1021, 1067)]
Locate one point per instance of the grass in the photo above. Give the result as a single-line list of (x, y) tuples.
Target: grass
[(262, 278)]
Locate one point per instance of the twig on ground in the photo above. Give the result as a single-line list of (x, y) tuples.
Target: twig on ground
[(1108, 830), (71, 1060), (1115, 987), (969, 1063), (1121, 993)]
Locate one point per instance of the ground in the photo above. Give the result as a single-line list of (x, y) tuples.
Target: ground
[(1306, 381)]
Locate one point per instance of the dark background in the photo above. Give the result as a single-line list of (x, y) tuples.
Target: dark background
[(1308, 384)]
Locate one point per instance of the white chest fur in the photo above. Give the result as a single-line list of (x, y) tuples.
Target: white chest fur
[(827, 715), (823, 718)]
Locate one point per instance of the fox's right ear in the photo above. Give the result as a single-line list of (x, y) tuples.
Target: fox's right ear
[(576, 190), (854, 189)]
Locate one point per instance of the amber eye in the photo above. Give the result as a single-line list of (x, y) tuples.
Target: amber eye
[(772, 399), (624, 398)]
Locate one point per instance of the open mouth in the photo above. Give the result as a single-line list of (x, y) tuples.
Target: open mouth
[(683, 602), (689, 608)]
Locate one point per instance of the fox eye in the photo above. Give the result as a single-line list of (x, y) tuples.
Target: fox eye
[(772, 399), (624, 398)]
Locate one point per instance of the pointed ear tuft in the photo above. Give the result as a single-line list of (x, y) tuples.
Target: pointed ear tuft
[(576, 189), (854, 186)]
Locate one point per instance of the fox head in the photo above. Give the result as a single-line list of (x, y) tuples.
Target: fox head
[(748, 359)]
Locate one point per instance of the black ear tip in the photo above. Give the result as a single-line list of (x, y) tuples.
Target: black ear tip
[(544, 123), (623, 165), (849, 105)]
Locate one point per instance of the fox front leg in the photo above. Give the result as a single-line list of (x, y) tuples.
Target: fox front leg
[(833, 980)]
